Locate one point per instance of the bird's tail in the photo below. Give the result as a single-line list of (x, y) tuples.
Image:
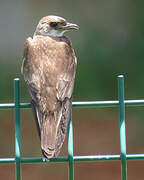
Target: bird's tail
[(54, 130), (49, 135)]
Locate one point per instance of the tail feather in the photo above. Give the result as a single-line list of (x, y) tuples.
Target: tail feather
[(48, 136)]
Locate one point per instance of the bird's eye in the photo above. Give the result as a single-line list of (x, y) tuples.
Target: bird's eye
[(53, 24)]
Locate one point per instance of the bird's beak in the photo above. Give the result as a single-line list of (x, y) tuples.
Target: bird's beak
[(70, 26)]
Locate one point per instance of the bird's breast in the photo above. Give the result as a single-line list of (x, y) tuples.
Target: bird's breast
[(55, 56), (50, 59)]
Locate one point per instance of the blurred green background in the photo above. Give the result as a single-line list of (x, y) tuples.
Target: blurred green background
[(110, 42)]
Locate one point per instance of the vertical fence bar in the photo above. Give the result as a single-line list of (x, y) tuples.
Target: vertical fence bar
[(17, 128), (122, 127), (70, 149)]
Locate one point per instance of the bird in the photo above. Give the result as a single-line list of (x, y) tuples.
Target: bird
[(49, 67)]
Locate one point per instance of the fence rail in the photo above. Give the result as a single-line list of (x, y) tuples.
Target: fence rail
[(123, 157)]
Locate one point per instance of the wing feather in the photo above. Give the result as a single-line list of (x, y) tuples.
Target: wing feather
[(32, 89)]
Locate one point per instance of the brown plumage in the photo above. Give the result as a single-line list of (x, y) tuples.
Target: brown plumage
[(49, 67)]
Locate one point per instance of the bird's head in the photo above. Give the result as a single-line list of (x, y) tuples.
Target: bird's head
[(54, 26)]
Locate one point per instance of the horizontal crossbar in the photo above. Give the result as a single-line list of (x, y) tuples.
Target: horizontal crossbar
[(83, 104), (75, 158)]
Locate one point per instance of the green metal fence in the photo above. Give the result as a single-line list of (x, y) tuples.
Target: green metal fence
[(123, 157)]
